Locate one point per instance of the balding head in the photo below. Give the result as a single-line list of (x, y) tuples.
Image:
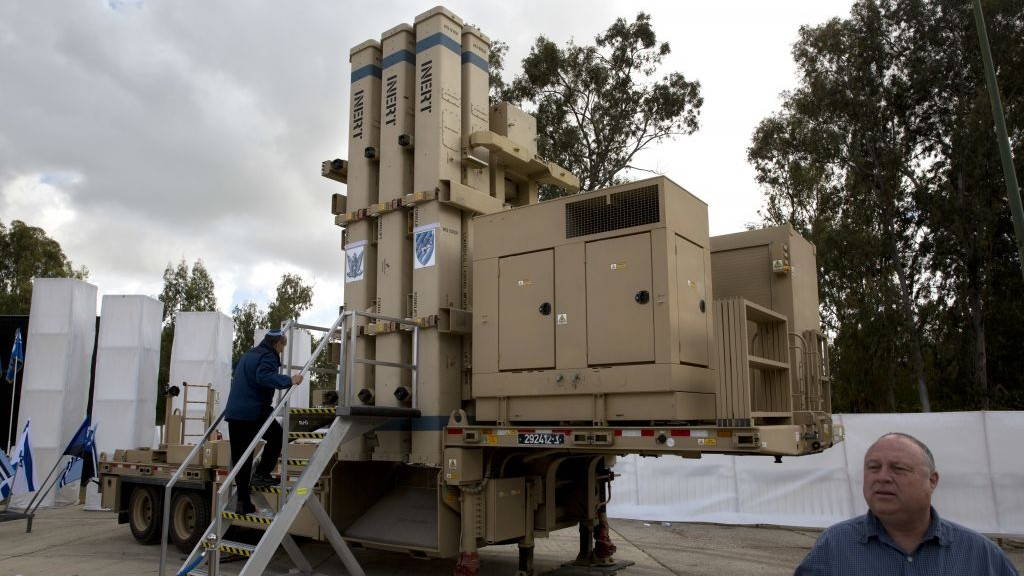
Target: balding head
[(926, 454), (899, 478)]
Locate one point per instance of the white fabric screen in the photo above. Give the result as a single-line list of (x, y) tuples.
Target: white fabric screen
[(200, 355), (58, 359), (978, 456), (301, 353), (125, 387)]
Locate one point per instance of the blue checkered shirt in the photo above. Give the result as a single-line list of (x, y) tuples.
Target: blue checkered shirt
[(861, 547)]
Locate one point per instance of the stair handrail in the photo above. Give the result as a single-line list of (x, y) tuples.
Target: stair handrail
[(174, 480), (221, 496)]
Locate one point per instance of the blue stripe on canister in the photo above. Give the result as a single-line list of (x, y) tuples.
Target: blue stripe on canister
[(400, 56), (368, 70), (438, 38), (476, 60)]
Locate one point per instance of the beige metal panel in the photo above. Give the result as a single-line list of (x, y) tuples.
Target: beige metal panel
[(517, 125), (804, 278), (506, 509), (485, 316), (686, 214), (542, 226), (394, 251), (437, 279), (596, 380), (526, 295), (364, 124), (570, 306), (363, 182), (476, 49), (743, 273), (663, 298), (693, 305), (620, 323), (661, 406)]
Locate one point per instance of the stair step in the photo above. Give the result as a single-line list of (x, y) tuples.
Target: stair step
[(298, 461), (278, 490), (237, 548), (307, 435), (250, 518), (198, 572), (313, 411)]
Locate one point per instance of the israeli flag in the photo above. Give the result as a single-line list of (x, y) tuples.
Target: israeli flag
[(22, 460), (17, 356), (6, 476), (72, 472)]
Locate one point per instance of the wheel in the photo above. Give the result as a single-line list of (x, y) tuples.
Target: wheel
[(190, 515), (144, 514)]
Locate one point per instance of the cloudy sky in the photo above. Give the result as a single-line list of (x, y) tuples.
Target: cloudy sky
[(138, 133)]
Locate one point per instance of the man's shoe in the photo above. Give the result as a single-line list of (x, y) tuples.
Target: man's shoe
[(265, 481), (245, 508)]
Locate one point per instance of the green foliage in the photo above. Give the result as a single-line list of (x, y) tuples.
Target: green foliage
[(598, 106), (247, 318), (293, 298), (883, 156), (26, 252), (185, 290)]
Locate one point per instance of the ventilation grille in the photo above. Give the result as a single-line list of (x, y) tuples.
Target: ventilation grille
[(613, 212)]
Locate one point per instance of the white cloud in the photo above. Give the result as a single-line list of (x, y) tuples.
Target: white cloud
[(38, 200), (140, 133)]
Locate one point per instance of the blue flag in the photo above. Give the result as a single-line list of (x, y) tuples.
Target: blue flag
[(83, 449), (17, 356), (24, 477), (72, 471), (6, 476)]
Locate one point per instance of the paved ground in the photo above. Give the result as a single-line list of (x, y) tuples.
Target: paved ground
[(72, 542)]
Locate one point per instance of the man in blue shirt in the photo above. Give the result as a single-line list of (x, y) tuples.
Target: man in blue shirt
[(250, 403), (902, 534)]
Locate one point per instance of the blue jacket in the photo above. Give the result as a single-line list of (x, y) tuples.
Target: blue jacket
[(252, 387)]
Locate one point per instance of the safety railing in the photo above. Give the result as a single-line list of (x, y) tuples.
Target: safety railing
[(349, 356), (174, 480), (344, 380)]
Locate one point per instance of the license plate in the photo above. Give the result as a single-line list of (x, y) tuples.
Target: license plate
[(542, 439)]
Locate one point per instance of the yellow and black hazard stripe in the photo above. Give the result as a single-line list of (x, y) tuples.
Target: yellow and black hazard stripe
[(298, 461), (247, 518), (235, 550), (267, 489), (316, 411), (307, 435)]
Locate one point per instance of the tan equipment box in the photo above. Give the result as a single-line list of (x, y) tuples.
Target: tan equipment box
[(773, 268), (176, 454), (595, 308)]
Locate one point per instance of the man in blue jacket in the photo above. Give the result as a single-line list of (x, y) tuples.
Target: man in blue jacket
[(249, 404)]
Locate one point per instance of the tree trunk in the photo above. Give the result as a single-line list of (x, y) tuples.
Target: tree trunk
[(906, 302), (907, 307), (976, 307)]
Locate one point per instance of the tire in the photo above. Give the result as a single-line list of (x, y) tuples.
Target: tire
[(145, 511), (190, 515)]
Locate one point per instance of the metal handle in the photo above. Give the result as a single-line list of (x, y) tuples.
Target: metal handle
[(642, 297), (545, 309)]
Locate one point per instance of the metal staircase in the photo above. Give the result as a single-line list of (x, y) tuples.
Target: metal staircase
[(347, 422)]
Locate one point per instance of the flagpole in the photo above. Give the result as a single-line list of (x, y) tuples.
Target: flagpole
[(14, 390)]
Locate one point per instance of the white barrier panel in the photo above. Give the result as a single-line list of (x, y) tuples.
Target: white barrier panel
[(58, 358), (125, 386), (302, 351), (200, 355), (981, 482)]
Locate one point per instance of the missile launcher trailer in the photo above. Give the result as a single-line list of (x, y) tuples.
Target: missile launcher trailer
[(495, 353)]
